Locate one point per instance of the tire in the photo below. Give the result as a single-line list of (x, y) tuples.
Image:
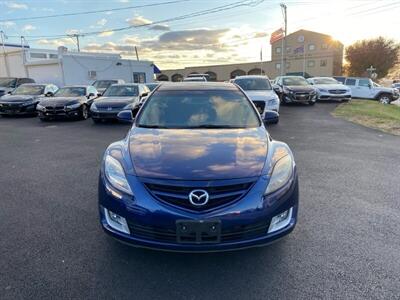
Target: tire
[(84, 112), (311, 102), (385, 99)]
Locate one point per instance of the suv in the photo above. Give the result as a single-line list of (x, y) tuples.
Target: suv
[(295, 89), (8, 84), (363, 87)]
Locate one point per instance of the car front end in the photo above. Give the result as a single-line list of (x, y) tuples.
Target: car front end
[(57, 107), (264, 100), (18, 105), (333, 93), (107, 108), (298, 94)]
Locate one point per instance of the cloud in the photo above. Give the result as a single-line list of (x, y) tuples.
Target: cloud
[(7, 24), (72, 31), (15, 5), (101, 22), (28, 27), (160, 27), (106, 33), (138, 21), (56, 43), (111, 47), (131, 40)]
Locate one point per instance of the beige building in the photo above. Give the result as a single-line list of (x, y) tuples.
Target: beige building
[(308, 52)]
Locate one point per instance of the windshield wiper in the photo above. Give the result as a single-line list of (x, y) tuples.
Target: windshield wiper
[(151, 126), (214, 126)]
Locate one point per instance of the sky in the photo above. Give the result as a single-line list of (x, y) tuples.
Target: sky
[(179, 33)]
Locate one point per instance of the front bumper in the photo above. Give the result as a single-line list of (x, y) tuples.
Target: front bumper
[(17, 109), (334, 97), (299, 97), (100, 115), (59, 113), (244, 224)]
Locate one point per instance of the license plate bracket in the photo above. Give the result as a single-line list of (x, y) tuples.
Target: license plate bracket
[(198, 231)]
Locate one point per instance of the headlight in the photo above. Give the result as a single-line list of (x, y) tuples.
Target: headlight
[(281, 172), (40, 107), (93, 107), (272, 102), (73, 106), (129, 106), (115, 175)]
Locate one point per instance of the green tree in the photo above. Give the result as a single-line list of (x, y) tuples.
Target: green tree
[(379, 52)]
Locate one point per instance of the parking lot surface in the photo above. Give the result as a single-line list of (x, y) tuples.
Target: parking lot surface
[(346, 244)]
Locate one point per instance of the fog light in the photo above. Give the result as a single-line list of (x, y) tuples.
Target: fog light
[(280, 221), (116, 222)]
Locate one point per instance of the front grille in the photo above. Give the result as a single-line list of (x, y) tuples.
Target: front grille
[(230, 234), (218, 195), (260, 105), (55, 109), (337, 92), (302, 96)]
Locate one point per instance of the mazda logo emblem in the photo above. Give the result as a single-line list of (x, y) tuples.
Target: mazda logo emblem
[(198, 197)]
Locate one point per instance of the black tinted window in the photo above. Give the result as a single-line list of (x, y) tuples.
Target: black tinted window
[(294, 81), (251, 84), (350, 81), (122, 91), (71, 92), (29, 90), (198, 109)]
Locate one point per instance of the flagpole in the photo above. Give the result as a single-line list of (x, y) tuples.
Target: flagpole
[(304, 59), (261, 62)]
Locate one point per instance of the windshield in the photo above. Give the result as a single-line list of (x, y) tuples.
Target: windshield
[(198, 109), (29, 90), (71, 92), (8, 82), (122, 91), (103, 84), (253, 84), (295, 81), (325, 81)]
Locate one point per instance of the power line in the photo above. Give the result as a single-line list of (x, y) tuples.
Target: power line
[(91, 11)]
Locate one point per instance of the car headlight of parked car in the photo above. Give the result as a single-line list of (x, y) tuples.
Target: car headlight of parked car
[(93, 107), (273, 102), (40, 107), (281, 172), (73, 106), (115, 175), (129, 106)]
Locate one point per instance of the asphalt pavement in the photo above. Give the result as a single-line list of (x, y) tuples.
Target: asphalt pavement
[(346, 244)]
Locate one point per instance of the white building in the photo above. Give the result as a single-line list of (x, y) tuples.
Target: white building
[(63, 67)]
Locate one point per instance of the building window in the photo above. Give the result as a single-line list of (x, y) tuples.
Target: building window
[(161, 77), (212, 76), (311, 47), (278, 66), (177, 77), (255, 71), (92, 74), (324, 46), (38, 55), (237, 72), (139, 77), (288, 49), (311, 63), (323, 63), (278, 50)]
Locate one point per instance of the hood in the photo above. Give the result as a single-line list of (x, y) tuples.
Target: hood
[(198, 154), (331, 86), (261, 95), (386, 89), (300, 88), (17, 98), (58, 101), (104, 102)]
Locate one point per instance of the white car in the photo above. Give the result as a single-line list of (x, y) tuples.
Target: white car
[(329, 88), (259, 89)]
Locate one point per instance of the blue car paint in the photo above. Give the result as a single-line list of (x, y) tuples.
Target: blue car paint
[(144, 209)]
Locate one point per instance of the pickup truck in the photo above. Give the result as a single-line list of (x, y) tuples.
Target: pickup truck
[(362, 87)]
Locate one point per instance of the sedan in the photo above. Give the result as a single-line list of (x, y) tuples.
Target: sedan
[(198, 171), (23, 100), (117, 98), (330, 89), (259, 90), (295, 89), (68, 102)]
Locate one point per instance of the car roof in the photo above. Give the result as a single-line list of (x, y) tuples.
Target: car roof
[(251, 76), (125, 84), (195, 86), (36, 84), (77, 85)]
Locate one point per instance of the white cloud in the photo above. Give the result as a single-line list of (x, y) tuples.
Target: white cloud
[(138, 21), (101, 22), (106, 33), (7, 24), (15, 5), (72, 31), (56, 43), (28, 27)]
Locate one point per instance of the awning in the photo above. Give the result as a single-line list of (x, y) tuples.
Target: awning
[(156, 69)]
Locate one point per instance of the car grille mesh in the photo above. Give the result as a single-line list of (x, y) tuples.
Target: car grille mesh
[(218, 195), (337, 92)]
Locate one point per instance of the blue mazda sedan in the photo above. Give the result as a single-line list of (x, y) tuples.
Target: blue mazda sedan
[(198, 172)]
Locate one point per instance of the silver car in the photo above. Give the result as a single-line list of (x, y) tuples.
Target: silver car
[(329, 88)]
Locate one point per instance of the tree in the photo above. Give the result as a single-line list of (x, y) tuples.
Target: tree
[(379, 52)]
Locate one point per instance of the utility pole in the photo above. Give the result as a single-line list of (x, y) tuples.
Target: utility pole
[(77, 42), (283, 64), (3, 37)]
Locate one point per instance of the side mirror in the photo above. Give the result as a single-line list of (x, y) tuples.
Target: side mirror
[(144, 95), (99, 94), (125, 116), (9, 92), (49, 94), (271, 117)]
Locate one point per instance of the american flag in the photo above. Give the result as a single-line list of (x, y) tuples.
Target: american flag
[(277, 35)]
